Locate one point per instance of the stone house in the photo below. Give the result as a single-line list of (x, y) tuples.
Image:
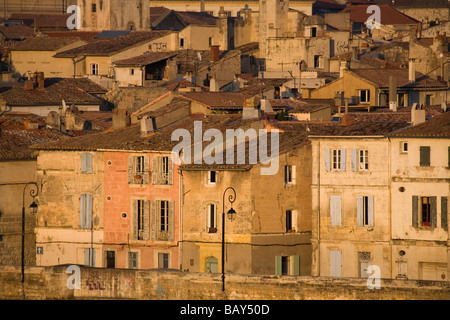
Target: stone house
[(38, 54), (419, 189), (351, 219), (270, 233)]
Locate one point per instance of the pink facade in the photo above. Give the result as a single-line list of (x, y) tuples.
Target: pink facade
[(141, 211)]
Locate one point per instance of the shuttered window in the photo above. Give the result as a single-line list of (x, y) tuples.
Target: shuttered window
[(289, 174), (327, 159), (287, 265), (89, 259), (138, 170), (133, 260), (424, 156), (162, 173), (364, 211), (86, 207), (424, 211), (141, 219), (335, 210), (86, 163), (163, 214), (211, 214)]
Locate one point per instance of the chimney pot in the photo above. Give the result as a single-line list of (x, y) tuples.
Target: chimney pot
[(215, 53)]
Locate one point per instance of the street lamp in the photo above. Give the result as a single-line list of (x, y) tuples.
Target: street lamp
[(231, 215), (33, 210)]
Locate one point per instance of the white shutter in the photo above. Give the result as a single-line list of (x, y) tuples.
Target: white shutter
[(370, 209), (335, 210), (82, 211), (354, 160), (327, 159), (83, 162), (343, 159), (359, 211), (89, 210), (335, 263), (146, 173), (170, 169), (88, 159), (171, 220)]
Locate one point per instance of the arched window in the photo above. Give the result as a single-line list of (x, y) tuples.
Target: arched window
[(211, 218), (212, 265)]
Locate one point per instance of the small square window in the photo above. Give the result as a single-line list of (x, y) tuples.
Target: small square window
[(94, 7), (212, 177), (404, 147), (289, 175)]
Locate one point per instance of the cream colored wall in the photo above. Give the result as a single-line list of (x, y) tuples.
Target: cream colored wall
[(125, 78), (197, 37), (41, 61), (59, 201), (348, 237)]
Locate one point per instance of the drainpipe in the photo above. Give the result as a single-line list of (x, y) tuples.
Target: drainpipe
[(318, 212), (180, 248)]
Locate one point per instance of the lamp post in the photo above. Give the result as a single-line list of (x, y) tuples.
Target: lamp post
[(231, 214), (33, 209)]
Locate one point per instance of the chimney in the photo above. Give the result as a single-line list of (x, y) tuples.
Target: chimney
[(202, 5), (411, 71), (392, 93), (147, 125), (215, 53), (342, 67), (213, 85), (121, 119), (29, 85), (347, 120), (417, 114)]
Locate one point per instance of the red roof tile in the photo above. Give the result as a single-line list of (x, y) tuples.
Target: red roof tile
[(389, 15)]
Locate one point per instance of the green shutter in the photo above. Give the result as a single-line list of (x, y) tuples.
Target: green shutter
[(433, 211), (444, 213), (89, 210), (296, 266), (424, 156), (415, 211), (278, 265)]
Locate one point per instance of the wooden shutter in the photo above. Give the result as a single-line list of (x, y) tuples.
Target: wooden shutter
[(343, 159), (415, 211), (444, 213), (146, 177), (354, 160), (327, 159), (153, 220), (278, 266), (93, 257), (296, 265), (424, 156), (146, 220), (134, 231), (155, 170), (130, 169), (370, 209), (433, 212), (171, 220), (335, 210), (359, 211), (87, 252), (83, 162), (88, 159), (335, 263), (89, 210), (170, 164), (82, 211)]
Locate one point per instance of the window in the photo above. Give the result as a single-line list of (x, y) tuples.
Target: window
[(212, 177), (94, 68), (94, 7), (287, 265), (86, 202), (424, 156), (162, 171), (141, 213), (89, 259), (288, 220), (212, 265), (364, 211), (163, 220), (138, 170), (363, 160), (335, 159), (335, 210), (313, 32), (110, 259), (335, 263), (163, 260), (210, 41), (133, 260), (444, 210), (424, 211), (364, 263), (404, 147), (318, 60), (211, 210), (289, 175), (132, 71), (364, 96), (86, 163), (181, 42)]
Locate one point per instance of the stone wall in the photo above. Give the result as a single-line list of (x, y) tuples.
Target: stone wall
[(96, 283)]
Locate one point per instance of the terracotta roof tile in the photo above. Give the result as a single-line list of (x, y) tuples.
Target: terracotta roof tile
[(42, 20), (145, 59), (16, 32), (438, 126), (44, 43), (389, 15)]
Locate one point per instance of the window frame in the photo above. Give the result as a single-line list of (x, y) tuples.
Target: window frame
[(94, 68), (336, 158), (211, 218), (424, 156), (163, 260), (210, 177), (136, 260), (366, 95), (289, 174), (363, 159)]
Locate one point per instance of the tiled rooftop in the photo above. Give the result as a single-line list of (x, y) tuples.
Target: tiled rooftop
[(389, 15), (44, 43), (145, 59), (438, 126), (16, 32)]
